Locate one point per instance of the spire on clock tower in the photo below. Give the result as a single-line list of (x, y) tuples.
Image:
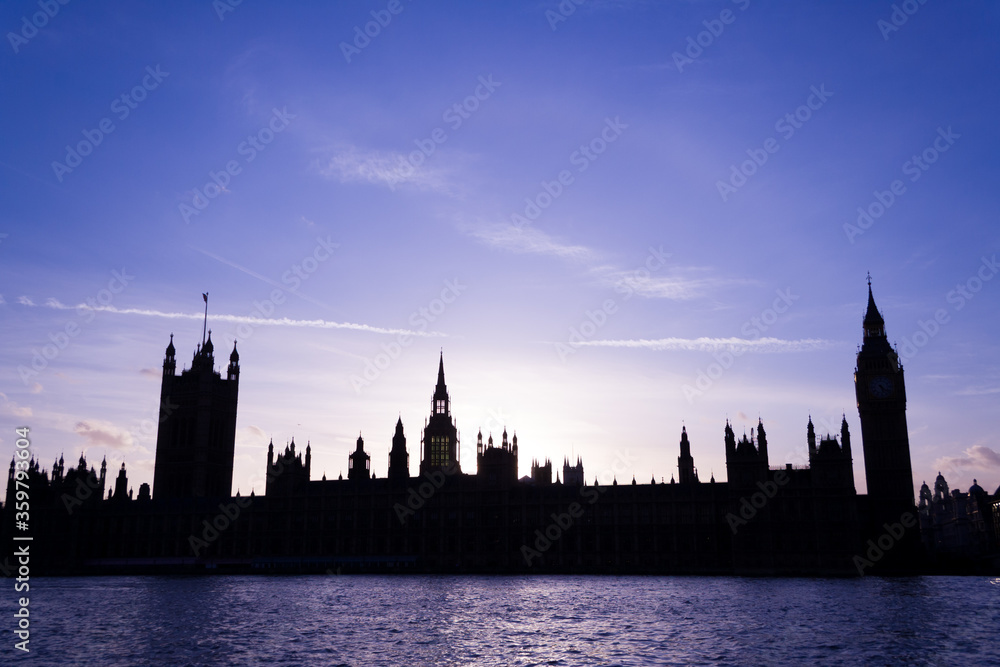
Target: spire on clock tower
[(874, 325)]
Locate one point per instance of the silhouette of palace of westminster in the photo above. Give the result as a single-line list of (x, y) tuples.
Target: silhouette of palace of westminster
[(763, 520)]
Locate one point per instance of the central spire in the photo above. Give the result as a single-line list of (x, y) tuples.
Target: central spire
[(440, 382), (441, 399)]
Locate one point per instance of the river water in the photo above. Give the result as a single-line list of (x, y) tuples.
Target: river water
[(486, 620)]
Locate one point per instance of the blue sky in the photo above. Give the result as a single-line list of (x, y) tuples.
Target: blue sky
[(615, 221)]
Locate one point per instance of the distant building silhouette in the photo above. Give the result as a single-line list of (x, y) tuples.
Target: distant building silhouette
[(762, 520), (958, 527)]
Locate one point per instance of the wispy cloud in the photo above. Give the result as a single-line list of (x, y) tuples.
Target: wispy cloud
[(387, 168), (11, 409), (250, 437), (978, 391), (99, 433), (977, 457), (242, 319), (25, 301), (256, 275), (677, 283), (526, 240), (705, 344)]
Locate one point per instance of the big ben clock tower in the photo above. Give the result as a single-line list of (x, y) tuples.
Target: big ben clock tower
[(881, 394)]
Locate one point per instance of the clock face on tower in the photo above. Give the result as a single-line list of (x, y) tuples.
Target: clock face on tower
[(880, 386)]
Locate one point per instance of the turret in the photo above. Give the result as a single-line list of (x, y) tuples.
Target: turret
[(399, 459), (730, 441), (233, 372), (120, 493), (685, 462), (925, 496), (58, 469), (359, 463), (845, 437), (940, 488), (811, 438), (761, 439), (169, 360)]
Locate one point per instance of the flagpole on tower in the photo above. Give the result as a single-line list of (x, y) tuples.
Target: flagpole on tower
[(205, 326)]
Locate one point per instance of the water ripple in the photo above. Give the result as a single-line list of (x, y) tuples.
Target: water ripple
[(426, 620)]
